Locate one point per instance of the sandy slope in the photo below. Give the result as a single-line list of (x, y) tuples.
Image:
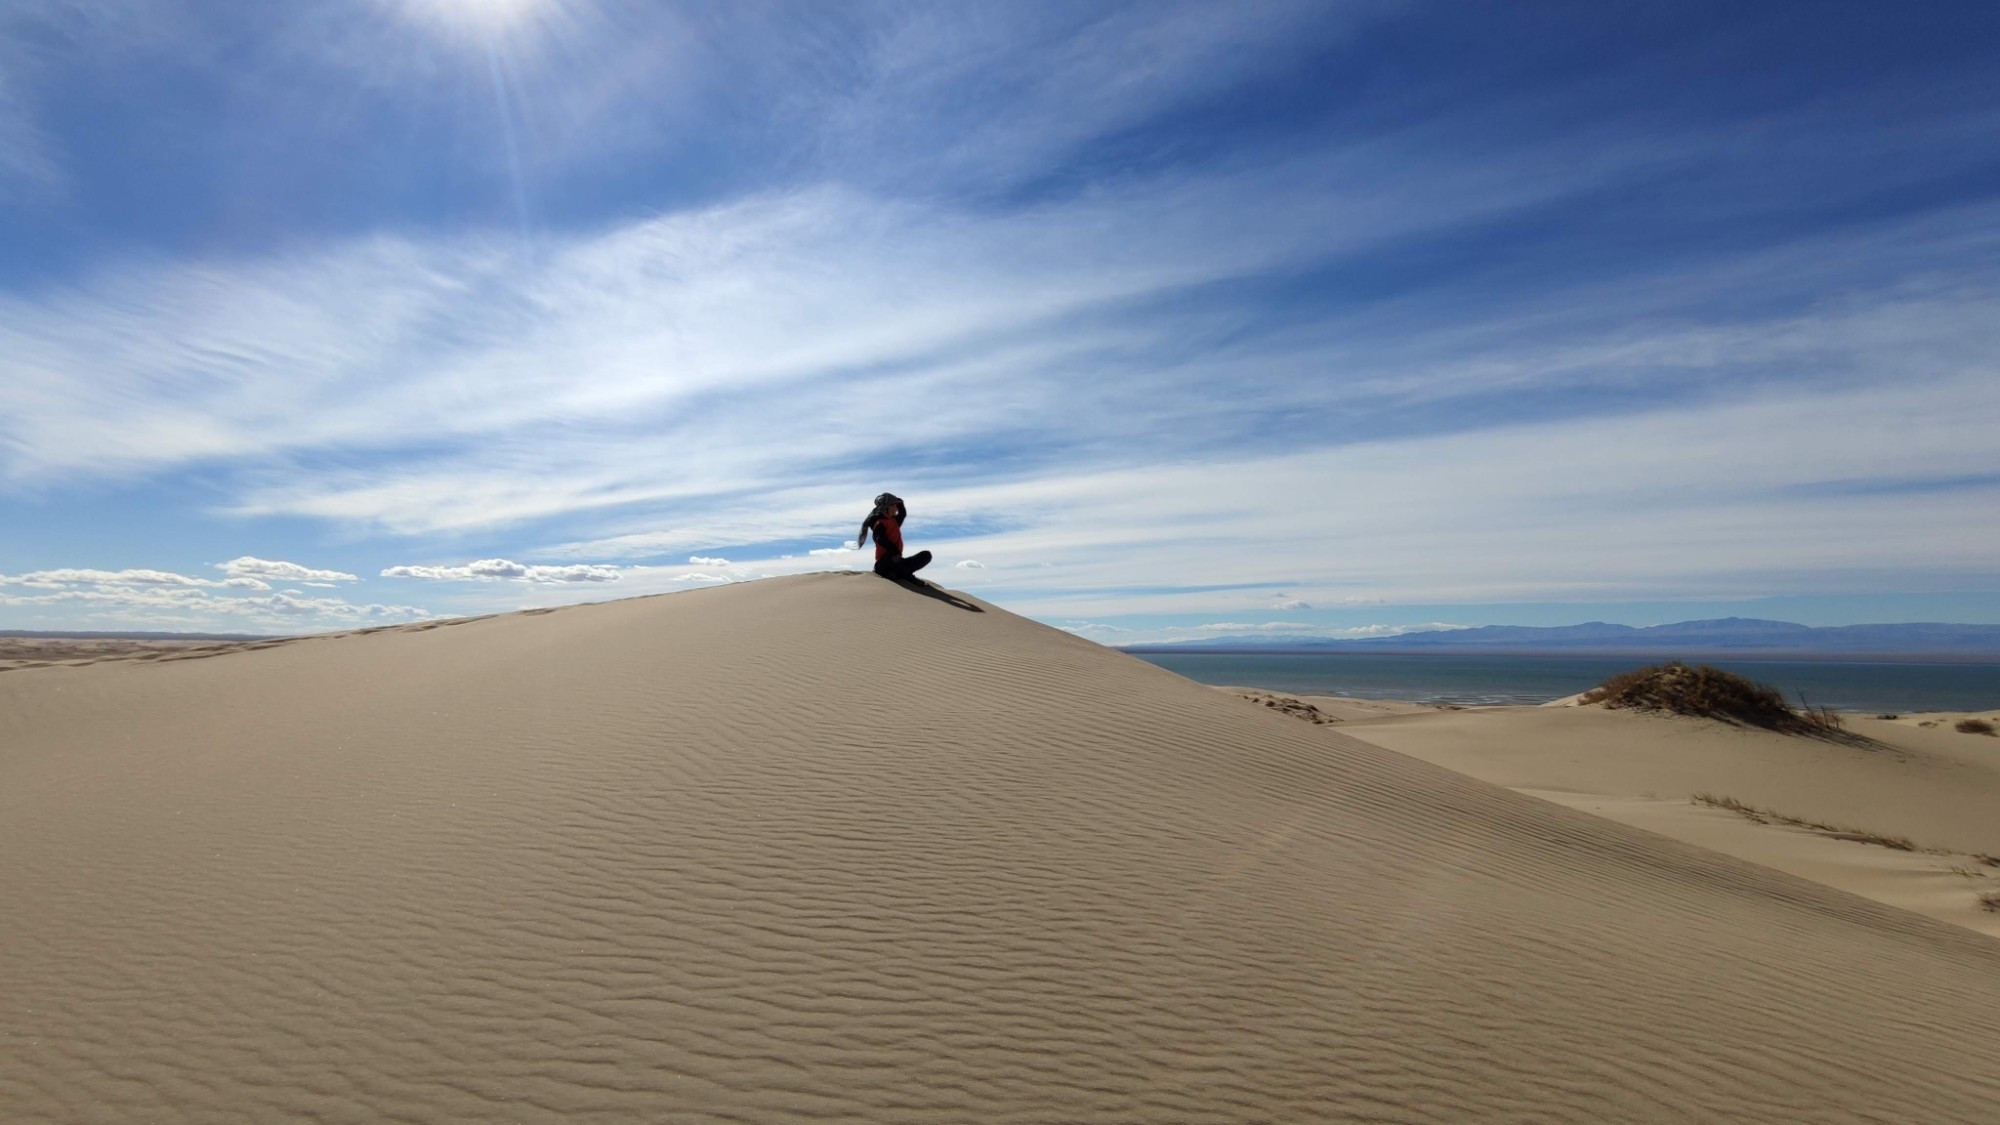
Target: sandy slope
[(1929, 784), (824, 848)]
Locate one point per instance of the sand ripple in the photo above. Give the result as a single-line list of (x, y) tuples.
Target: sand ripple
[(822, 849)]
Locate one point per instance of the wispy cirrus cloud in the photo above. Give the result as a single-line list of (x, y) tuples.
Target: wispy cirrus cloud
[(27, 169), (617, 335), (529, 468), (42, 41)]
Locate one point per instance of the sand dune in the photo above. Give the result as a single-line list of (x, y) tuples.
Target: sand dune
[(1913, 779), (822, 848)]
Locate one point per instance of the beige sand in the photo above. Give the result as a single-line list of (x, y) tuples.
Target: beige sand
[(41, 652), (1915, 778), (823, 848), (1332, 708)]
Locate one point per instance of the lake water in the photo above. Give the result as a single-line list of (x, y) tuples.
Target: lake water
[(1489, 679)]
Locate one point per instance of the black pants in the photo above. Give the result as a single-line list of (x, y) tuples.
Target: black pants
[(901, 568)]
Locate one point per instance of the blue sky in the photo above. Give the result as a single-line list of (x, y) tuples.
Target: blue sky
[(1169, 321)]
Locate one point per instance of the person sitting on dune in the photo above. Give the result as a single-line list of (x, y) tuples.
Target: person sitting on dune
[(886, 521)]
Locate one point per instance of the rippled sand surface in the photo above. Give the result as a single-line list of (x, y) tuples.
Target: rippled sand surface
[(825, 848)]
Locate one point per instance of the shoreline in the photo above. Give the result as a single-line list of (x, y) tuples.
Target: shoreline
[(1651, 656)]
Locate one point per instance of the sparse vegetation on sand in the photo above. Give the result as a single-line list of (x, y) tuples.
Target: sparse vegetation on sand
[(1974, 726), (1990, 902), (1838, 832), (1288, 705), (1708, 692)]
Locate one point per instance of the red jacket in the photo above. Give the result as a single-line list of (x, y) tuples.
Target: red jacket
[(888, 537)]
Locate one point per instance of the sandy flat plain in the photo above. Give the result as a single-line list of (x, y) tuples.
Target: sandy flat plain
[(42, 652), (825, 848)]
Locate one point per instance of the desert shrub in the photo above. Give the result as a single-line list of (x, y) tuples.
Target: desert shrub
[(1709, 692), (1974, 726), (1821, 720)]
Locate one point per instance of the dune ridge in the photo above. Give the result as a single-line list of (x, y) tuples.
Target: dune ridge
[(821, 848)]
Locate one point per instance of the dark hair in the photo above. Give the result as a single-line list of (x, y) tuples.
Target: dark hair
[(885, 503)]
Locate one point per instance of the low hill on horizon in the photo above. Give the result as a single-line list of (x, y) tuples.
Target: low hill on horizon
[(1721, 636), (125, 635), (831, 848)]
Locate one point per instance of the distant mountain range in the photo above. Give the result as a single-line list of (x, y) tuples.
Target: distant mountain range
[(1728, 636)]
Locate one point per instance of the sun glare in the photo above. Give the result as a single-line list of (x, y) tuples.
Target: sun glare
[(482, 20)]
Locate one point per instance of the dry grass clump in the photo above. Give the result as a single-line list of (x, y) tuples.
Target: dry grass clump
[(1712, 693), (1990, 902), (1287, 705), (1836, 831), (1974, 726)]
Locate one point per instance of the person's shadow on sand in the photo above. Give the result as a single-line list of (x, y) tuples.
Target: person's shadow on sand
[(926, 589), (919, 586)]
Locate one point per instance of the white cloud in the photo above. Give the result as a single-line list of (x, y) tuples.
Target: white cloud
[(272, 570), (843, 549), (970, 564), (1261, 627), (1289, 604), (289, 606), (700, 578), (127, 598), (492, 570), (73, 576), (1395, 630), (1092, 628), (699, 560)]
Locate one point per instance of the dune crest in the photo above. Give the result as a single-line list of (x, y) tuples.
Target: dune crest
[(823, 848)]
